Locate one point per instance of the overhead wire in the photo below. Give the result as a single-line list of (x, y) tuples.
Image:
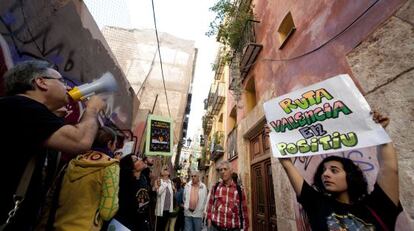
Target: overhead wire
[(159, 55), (162, 69), (320, 46)]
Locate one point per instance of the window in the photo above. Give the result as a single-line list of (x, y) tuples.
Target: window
[(286, 29), (232, 144), (250, 94)]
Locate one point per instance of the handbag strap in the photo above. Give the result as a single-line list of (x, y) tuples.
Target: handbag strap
[(25, 180), (21, 190)]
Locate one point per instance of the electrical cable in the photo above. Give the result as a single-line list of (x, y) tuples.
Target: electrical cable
[(159, 55), (320, 46)]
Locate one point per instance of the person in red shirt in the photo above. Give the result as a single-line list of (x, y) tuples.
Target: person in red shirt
[(225, 211)]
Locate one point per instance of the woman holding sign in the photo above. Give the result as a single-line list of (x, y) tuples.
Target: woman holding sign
[(340, 200)]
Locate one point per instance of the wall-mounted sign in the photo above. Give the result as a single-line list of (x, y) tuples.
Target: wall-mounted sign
[(159, 140), (326, 117)]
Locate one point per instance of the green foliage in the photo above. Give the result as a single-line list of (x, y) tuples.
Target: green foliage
[(228, 25)]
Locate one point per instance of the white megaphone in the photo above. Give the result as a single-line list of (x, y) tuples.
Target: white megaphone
[(106, 83)]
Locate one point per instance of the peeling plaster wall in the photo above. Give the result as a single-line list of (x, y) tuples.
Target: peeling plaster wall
[(64, 33), (377, 51)]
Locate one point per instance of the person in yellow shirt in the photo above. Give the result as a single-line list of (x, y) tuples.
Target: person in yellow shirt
[(89, 193)]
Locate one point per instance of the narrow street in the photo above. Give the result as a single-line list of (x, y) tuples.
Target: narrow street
[(222, 115)]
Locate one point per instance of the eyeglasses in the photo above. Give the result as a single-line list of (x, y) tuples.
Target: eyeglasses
[(222, 169), (62, 80), (194, 176)]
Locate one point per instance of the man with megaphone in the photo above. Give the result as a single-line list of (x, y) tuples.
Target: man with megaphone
[(34, 91)]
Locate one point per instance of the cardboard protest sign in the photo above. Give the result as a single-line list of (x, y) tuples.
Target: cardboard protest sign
[(329, 116), (159, 140)]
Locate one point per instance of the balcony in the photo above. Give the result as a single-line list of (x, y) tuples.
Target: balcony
[(218, 98), (219, 67), (204, 161), (232, 144), (246, 53), (205, 103), (207, 123), (188, 105), (208, 103), (185, 122), (217, 144)]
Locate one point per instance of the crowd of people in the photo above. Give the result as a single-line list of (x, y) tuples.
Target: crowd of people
[(97, 187)]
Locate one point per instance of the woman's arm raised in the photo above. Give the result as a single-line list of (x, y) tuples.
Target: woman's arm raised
[(387, 177)]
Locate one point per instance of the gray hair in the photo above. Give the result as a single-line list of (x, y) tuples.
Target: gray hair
[(19, 79), (195, 172), (226, 163)]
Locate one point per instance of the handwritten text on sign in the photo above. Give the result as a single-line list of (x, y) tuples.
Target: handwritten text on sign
[(326, 117)]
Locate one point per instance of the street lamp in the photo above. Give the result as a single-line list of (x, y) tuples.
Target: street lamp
[(189, 142)]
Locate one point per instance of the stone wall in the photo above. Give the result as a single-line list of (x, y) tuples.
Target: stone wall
[(384, 66)]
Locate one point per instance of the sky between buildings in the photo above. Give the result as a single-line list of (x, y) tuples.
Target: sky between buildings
[(187, 19)]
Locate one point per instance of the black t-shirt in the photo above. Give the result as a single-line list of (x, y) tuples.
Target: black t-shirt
[(134, 201), (25, 125), (326, 213), (142, 195)]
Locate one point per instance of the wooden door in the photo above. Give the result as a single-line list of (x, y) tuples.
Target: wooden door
[(263, 200)]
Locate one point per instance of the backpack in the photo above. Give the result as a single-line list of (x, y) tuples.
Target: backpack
[(47, 216), (239, 193)]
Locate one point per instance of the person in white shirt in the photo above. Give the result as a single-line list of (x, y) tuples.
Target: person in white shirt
[(195, 198), (165, 196)]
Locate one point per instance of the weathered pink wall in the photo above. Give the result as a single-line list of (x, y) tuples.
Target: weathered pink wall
[(316, 23), (319, 48)]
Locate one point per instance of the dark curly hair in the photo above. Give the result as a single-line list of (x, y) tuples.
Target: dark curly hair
[(355, 179), (126, 165)]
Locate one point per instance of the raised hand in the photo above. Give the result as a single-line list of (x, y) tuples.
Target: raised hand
[(378, 118)]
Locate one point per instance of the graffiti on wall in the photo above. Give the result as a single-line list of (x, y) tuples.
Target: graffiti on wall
[(27, 43), (40, 30)]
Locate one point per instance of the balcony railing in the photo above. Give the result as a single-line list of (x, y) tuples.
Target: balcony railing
[(219, 66), (218, 98), (217, 145), (207, 123), (205, 103), (246, 53), (204, 161), (232, 144), (210, 97)]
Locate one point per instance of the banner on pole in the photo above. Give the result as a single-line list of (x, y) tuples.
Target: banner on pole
[(329, 116), (159, 140)]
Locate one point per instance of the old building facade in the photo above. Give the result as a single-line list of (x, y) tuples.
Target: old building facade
[(292, 44)]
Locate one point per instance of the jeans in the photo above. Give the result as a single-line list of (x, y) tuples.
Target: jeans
[(193, 223)]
